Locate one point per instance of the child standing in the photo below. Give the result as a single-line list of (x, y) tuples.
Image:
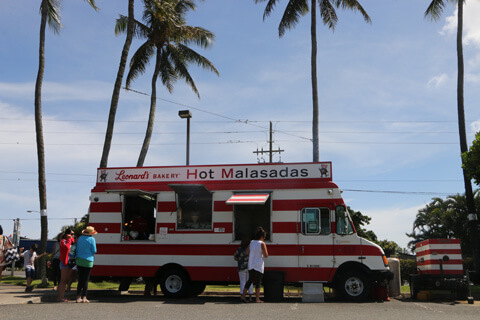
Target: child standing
[(241, 256), (29, 265)]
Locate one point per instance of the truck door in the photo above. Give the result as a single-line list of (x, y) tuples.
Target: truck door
[(315, 244), (346, 244)]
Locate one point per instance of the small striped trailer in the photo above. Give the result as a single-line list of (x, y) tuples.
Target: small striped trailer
[(181, 226), (439, 266)]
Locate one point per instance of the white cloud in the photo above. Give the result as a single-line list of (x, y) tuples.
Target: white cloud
[(438, 81), (393, 223), (471, 23)]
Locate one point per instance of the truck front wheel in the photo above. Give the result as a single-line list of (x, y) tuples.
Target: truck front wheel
[(354, 286), (175, 283)]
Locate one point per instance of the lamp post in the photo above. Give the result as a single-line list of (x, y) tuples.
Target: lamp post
[(186, 114)]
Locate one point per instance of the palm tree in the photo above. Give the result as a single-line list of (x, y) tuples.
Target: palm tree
[(434, 11), (118, 85), (50, 13), (168, 38), (298, 8)]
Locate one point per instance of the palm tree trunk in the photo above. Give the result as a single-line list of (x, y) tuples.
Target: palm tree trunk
[(151, 116), (463, 140), (42, 189), (315, 140), (118, 85)]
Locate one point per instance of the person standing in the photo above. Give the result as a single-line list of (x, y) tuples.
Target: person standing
[(241, 256), (56, 262), (257, 251), (5, 243), (29, 258), (65, 271), (86, 249)]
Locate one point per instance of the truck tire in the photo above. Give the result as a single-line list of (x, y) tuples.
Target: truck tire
[(414, 286), (354, 286), (175, 283), (197, 288)]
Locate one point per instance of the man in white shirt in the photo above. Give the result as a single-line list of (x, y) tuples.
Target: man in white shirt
[(29, 264)]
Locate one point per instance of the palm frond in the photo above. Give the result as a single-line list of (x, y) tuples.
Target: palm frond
[(140, 30), (293, 12), (328, 14), (190, 55), (268, 8), (167, 73), (353, 5), (52, 10), (180, 59), (195, 35), (92, 4), (139, 61), (435, 9)]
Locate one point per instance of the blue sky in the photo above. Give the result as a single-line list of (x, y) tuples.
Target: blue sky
[(387, 94)]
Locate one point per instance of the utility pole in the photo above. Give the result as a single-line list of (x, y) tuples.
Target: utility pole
[(270, 151)]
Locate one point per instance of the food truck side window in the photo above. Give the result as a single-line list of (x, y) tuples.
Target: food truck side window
[(139, 217), (315, 221), (194, 210), (342, 220)]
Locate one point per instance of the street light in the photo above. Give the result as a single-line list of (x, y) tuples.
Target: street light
[(186, 114)]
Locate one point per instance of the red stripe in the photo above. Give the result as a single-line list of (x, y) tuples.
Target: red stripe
[(247, 185), (291, 205), (284, 227), (439, 252), (437, 272), (106, 207), (214, 274), (167, 206)]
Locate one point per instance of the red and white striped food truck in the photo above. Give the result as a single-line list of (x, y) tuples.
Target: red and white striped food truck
[(181, 225)]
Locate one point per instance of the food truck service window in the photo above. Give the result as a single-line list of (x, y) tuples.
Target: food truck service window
[(251, 211), (315, 221), (194, 206), (139, 216)]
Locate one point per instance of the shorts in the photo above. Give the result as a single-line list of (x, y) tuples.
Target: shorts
[(30, 272), (62, 266), (255, 277)]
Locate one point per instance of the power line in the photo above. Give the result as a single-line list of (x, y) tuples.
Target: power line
[(421, 193)]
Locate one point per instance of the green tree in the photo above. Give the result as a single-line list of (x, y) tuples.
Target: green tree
[(391, 248), (444, 219), (434, 11), (50, 13), (471, 160), (293, 12), (167, 38), (359, 221), (118, 85)]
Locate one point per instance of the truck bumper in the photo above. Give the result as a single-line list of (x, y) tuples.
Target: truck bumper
[(382, 275)]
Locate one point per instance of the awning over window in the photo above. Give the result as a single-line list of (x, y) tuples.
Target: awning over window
[(248, 198), (198, 189)]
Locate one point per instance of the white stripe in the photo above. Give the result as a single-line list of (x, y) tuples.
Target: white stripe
[(451, 246), (445, 267), (437, 257)]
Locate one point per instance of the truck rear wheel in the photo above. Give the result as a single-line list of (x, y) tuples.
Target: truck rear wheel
[(354, 286), (197, 288), (175, 283)]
